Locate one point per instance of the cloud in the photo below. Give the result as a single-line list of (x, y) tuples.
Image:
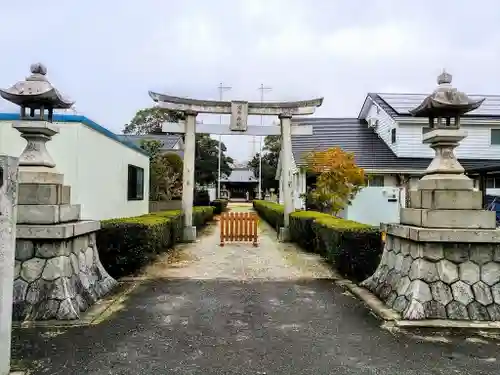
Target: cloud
[(107, 55)]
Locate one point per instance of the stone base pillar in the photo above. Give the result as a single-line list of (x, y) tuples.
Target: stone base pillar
[(443, 260), (439, 273), (58, 273), (58, 277)]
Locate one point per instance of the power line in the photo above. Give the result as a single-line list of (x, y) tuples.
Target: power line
[(222, 89)]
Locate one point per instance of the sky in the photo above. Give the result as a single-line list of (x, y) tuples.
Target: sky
[(107, 55)]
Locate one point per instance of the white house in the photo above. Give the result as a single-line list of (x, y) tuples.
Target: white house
[(108, 176), (387, 143)]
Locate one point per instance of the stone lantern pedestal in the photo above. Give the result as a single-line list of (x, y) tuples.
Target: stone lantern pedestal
[(443, 260), (57, 272)]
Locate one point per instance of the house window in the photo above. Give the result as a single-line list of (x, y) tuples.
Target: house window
[(495, 136), (375, 180), (493, 182), (393, 135), (135, 190)]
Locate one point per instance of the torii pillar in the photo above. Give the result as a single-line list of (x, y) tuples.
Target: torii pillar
[(239, 111)]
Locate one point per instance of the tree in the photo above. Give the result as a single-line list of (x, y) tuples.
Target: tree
[(149, 120), (338, 178), (207, 159), (270, 157), (165, 176)]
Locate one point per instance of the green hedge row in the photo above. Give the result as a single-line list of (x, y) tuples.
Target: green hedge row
[(127, 244), (353, 248), (219, 205)]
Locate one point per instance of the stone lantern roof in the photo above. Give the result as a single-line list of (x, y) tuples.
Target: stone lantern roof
[(36, 92), (445, 101)]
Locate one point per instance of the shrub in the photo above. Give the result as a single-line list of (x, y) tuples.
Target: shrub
[(219, 205), (270, 212), (127, 244), (353, 248), (301, 231)]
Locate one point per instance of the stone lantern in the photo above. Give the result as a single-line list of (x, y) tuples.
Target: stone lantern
[(58, 273), (37, 99), (442, 261), (443, 109)]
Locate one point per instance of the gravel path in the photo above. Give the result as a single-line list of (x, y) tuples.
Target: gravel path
[(271, 260)]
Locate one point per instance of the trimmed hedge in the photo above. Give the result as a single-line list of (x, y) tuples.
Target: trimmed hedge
[(127, 244), (219, 205), (270, 212), (354, 248)]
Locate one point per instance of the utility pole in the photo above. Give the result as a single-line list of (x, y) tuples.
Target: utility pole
[(262, 90), (221, 88)]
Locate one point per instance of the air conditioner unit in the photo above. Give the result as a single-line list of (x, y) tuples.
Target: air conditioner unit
[(372, 123)]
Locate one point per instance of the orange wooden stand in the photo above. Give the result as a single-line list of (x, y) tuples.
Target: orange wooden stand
[(238, 227)]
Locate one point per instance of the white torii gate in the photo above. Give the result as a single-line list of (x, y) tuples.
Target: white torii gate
[(239, 111)]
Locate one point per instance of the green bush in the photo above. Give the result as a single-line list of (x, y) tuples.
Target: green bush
[(219, 205), (353, 248), (127, 244), (270, 212)]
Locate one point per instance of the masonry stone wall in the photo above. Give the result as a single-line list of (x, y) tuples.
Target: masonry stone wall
[(58, 279), (435, 280)]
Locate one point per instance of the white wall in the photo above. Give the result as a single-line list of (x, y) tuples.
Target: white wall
[(94, 165), (212, 193), (385, 124), (475, 146), (372, 206)]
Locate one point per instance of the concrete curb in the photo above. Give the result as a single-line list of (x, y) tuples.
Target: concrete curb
[(371, 300), (97, 314)]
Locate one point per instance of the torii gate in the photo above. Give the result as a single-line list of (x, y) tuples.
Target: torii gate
[(239, 111)]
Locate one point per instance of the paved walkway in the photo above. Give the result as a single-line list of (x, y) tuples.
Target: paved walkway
[(244, 310)]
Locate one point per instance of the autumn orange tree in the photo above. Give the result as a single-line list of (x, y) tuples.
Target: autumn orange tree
[(338, 178)]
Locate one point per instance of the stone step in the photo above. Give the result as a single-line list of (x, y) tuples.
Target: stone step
[(47, 213), (44, 194), (453, 219), (56, 231), (446, 199)]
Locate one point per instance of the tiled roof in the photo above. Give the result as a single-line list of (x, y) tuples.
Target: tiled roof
[(169, 140), (397, 105), (353, 135), (240, 175)]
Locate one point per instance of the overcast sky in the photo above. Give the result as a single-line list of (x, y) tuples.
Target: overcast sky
[(106, 55)]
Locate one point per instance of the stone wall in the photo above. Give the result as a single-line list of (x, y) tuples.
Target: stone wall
[(58, 279), (439, 280)]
